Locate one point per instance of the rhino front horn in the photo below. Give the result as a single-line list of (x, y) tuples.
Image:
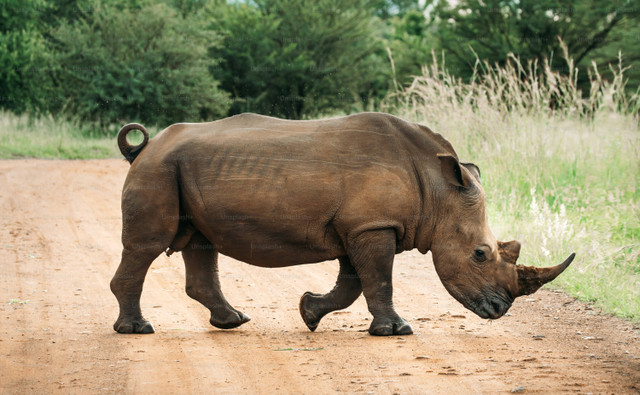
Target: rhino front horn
[(531, 278)]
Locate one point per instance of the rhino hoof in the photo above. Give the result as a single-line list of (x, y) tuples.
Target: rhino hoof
[(133, 326), (388, 328), (309, 317), (235, 319)]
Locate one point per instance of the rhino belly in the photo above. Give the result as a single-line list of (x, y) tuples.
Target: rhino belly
[(262, 242), (266, 222)]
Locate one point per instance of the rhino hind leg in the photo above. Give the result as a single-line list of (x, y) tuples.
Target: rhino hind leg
[(203, 284), (145, 235), (372, 256), (126, 285), (347, 289)]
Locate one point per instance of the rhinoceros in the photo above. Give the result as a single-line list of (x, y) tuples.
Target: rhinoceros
[(275, 193)]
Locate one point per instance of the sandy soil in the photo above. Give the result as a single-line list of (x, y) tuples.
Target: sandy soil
[(60, 245)]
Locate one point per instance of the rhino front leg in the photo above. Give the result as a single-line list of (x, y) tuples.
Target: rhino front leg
[(372, 256), (203, 284), (347, 289)]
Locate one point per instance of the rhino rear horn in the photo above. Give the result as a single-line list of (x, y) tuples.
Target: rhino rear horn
[(531, 278)]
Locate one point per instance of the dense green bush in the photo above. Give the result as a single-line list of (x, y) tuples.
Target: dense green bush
[(23, 56), (118, 64), (158, 61), (295, 58), (409, 46)]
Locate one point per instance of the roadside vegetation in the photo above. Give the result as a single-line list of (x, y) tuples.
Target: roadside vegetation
[(159, 62), (22, 136)]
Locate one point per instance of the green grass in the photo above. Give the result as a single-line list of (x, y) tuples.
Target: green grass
[(557, 179), (22, 137)]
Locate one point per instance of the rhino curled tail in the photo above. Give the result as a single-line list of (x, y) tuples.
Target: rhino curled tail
[(131, 152)]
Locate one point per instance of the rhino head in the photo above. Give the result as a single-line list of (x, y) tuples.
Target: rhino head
[(475, 268)]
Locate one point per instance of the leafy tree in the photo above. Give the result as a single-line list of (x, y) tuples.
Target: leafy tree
[(623, 39), (191, 7), (63, 11), (24, 79), (122, 63), (409, 46), (386, 9), (529, 28), (295, 58)]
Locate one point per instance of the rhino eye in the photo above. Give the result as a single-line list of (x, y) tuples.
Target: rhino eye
[(479, 255)]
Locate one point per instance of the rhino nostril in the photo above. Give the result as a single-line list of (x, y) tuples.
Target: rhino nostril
[(496, 308)]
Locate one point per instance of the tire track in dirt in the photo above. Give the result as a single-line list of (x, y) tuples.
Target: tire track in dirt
[(60, 245)]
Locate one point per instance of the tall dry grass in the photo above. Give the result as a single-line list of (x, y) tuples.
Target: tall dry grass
[(561, 167)]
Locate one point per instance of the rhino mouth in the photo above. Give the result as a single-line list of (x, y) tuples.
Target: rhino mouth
[(488, 304), (492, 306)]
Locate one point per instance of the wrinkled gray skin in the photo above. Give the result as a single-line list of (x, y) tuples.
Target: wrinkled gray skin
[(274, 193)]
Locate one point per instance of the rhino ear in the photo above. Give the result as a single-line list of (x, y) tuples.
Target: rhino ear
[(473, 169), (453, 173), (509, 251)]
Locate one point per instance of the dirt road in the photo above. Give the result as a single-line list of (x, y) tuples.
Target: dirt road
[(60, 244)]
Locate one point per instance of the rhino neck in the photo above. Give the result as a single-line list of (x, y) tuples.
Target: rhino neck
[(426, 218), (422, 146)]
